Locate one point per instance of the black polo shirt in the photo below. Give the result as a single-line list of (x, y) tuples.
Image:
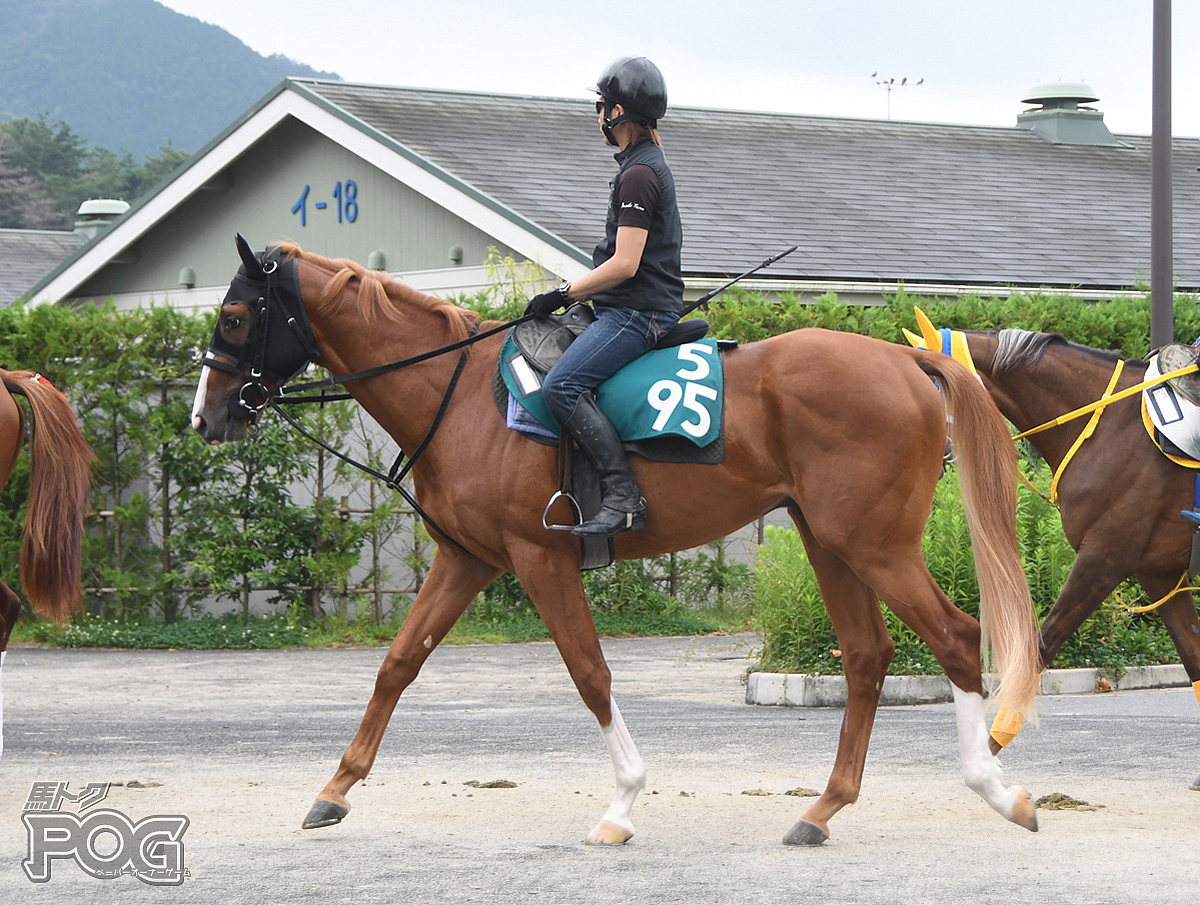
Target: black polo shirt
[(643, 195)]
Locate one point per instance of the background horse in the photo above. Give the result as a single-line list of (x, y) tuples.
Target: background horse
[(1119, 496), (59, 485), (845, 431)]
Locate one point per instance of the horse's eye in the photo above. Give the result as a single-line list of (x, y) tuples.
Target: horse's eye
[(232, 323)]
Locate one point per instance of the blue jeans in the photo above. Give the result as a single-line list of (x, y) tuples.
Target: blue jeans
[(618, 336)]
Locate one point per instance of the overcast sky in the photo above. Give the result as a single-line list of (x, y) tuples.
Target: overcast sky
[(800, 56)]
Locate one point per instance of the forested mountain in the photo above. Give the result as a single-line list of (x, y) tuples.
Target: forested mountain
[(129, 75), (105, 98)]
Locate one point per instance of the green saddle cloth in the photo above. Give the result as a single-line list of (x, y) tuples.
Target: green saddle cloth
[(674, 391)]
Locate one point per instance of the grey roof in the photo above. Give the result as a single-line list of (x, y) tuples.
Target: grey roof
[(27, 255), (864, 199)]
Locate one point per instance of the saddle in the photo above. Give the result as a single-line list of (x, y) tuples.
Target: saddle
[(1175, 356), (543, 340), (1170, 412)]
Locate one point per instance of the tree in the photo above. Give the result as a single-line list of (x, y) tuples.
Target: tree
[(47, 171), (25, 202), (54, 155)]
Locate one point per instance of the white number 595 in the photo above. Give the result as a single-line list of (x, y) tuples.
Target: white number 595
[(665, 396)]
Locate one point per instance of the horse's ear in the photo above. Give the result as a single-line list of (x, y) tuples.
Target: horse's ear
[(250, 260)]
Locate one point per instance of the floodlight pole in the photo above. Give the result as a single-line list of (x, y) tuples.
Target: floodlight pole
[(1162, 288)]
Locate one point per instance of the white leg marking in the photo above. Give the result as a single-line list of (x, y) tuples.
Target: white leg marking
[(201, 392), (981, 769), (629, 769)]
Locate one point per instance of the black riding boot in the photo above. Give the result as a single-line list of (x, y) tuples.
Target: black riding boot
[(621, 507)]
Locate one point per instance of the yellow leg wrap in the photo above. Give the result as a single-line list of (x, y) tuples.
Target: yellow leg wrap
[(1196, 689), (1006, 726)]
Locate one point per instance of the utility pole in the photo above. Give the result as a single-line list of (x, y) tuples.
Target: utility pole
[(1162, 277)]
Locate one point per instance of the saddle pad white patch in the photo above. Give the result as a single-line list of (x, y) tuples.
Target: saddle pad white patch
[(1175, 417)]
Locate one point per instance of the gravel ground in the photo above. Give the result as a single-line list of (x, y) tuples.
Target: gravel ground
[(240, 743)]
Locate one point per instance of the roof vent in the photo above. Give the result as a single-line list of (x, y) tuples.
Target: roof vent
[(1061, 121), (95, 214)]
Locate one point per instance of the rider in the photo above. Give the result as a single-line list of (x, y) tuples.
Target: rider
[(635, 285)]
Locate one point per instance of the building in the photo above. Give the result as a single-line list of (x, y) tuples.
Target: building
[(423, 182)]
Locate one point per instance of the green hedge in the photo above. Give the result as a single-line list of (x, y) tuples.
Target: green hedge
[(173, 520), (176, 521)]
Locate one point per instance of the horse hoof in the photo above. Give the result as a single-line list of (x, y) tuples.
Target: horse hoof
[(1195, 786), (805, 833), (607, 833), (324, 813), (1024, 812)]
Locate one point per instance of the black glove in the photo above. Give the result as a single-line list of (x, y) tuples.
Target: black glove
[(546, 303)]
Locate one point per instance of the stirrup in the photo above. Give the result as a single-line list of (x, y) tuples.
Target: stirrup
[(1191, 518), (574, 507)]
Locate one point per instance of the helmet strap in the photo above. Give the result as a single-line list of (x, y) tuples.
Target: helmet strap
[(627, 117)]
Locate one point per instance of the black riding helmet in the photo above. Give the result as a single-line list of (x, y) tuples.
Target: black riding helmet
[(637, 85)]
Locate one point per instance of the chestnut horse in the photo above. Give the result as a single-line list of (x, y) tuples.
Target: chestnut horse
[(1119, 496), (845, 431), (59, 485)]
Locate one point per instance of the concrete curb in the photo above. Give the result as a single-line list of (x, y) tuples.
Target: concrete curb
[(800, 690)]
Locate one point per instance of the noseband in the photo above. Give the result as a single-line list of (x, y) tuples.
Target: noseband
[(281, 341)]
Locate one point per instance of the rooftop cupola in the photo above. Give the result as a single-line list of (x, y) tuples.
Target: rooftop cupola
[(1059, 118), (95, 215)]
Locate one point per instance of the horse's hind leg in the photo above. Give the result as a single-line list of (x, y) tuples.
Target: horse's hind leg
[(867, 650), (909, 590), (557, 591), (453, 581)]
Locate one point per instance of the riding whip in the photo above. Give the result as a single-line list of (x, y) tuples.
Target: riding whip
[(710, 296)]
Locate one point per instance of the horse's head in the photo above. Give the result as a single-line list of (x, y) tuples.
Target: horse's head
[(261, 341)]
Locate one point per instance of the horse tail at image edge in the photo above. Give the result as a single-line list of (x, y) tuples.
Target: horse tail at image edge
[(51, 566)]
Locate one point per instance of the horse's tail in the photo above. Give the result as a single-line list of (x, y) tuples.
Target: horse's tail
[(987, 469), (60, 463)]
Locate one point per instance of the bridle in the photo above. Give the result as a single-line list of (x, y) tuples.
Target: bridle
[(281, 344)]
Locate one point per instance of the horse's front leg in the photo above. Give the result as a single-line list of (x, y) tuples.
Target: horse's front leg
[(1092, 578), (453, 581), (554, 584), (1179, 616), (1094, 574)]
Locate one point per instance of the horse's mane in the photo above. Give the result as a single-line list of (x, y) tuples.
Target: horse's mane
[(1024, 349), (378, 294)]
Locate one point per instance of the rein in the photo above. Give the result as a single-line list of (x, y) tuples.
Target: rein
[(278, 396), (1104, 400), (1087, 431), (400, 469), (253, 354)]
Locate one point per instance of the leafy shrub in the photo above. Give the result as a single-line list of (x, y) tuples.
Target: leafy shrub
[(206, 633), (798, 636)]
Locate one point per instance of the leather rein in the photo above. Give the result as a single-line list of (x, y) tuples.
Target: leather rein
[(254, 355)]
